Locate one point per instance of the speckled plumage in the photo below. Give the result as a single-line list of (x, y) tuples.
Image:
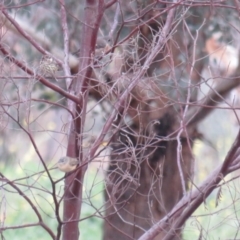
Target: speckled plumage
[(48, 66)]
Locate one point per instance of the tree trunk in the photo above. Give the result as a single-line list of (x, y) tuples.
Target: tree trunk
[(143, 186)]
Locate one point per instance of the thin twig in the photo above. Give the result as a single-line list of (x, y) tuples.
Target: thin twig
[(66, 67)]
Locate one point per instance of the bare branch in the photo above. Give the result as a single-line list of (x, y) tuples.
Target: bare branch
[(66, 42), (28, 37), (189, 203), (38, 77), (214, 97), (21, 193)]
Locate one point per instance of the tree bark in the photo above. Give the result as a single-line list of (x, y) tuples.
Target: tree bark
[(142, 190)]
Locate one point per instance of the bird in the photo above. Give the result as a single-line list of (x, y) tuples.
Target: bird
[(223, 58), (48, 66), (67, 164)]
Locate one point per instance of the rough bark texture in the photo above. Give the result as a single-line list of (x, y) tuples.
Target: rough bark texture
[(143, 188)]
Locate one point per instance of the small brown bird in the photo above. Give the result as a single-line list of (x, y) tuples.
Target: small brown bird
[(48, 66), (67, 164)]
